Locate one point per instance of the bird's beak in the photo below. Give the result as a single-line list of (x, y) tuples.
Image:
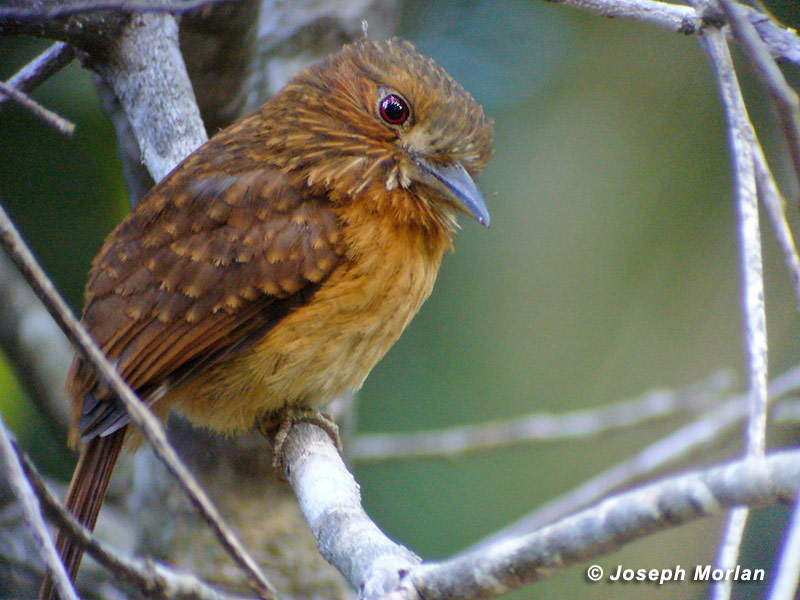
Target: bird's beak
[(454, 181)]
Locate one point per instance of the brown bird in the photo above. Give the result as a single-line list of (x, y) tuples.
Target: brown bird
[(277, 264)]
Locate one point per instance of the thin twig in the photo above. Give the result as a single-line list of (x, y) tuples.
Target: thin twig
[(776, 209), (33, 515), (139, 413), (781, 41), (538, 427), (728, 556), (41, 68), (742, 140), (682, 443), (59, 123), (153, 578), (785, 97), (683, 19)]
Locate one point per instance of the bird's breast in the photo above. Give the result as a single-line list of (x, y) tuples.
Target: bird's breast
[(328, 346)]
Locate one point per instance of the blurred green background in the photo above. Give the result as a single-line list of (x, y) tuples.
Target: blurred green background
[(610, 267)]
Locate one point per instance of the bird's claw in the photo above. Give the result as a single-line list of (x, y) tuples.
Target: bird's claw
[(288, 419)]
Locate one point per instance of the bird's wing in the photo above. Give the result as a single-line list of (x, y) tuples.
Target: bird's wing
[(200, 270)]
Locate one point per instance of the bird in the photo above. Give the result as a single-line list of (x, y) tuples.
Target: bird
[(277, 264)]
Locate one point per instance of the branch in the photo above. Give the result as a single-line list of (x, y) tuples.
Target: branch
[(129, 7), (40, 69), (55, 121), (682, 443), (33, 515), (538, 427), (776, 209), (153, 578), (742, 140), (146, 72), (788, 571), (331, 502), (781, 42), (785, 98), (605, 527), (373, 564)]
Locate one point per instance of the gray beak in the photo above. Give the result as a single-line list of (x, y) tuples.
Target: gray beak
[(456, 183)]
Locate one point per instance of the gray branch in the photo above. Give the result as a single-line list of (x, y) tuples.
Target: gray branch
[(538, 427), (21, 487), (153, 578), (604, 528), (374, 564), (145, 70)]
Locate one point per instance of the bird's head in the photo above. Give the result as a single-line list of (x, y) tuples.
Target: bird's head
[(379, 113)]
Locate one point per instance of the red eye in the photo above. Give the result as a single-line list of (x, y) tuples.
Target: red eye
[(394, 110)]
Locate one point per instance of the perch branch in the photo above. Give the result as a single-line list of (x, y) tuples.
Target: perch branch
[(331, 502)]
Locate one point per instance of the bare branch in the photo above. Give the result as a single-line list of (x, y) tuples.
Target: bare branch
[(33, 515), (683, 19), (728, 557), (776, 209), (129, 7), (786, 99), (153, 578), (742, 140), (147, 74), (55, 121), (538, 427), (40, 69), (676, 446), (604, 528), (782, 42), (680, 444), (330, 500)]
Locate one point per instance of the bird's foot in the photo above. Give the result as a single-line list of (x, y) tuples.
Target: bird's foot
[(288, 419)]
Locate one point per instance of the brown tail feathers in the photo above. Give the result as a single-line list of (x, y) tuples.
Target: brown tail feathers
[(84, 499)]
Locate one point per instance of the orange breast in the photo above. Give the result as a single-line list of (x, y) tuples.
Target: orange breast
[(328, 346)]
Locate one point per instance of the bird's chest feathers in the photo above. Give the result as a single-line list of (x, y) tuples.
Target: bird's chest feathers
[(327, 347), (332, 342)]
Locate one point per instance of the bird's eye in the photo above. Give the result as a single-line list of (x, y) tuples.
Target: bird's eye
[(394, 110)]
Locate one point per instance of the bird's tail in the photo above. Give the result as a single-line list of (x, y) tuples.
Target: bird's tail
[(84, 499)]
